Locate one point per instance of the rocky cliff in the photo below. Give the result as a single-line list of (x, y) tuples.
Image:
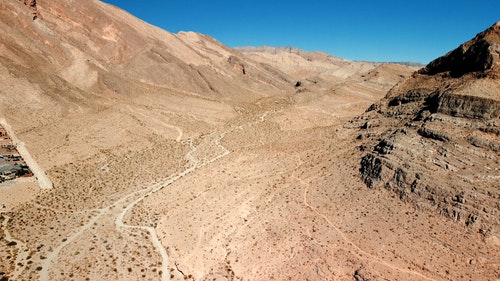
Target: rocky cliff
[(434, 139)]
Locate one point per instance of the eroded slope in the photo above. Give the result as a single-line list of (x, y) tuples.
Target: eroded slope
[(434, 140)]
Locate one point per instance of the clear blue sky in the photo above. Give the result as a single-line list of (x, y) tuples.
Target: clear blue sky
[(384, 30)]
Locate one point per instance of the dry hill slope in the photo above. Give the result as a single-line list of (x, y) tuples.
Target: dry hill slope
[(434, 142), (328, 87), (88, 76), (319, 71)]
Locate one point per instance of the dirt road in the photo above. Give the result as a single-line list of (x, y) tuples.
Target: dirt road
[(205, 153)]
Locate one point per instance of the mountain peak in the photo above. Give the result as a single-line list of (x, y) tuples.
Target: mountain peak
[(480, 55)]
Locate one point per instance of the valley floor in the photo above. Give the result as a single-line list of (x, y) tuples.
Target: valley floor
[(272, 194)]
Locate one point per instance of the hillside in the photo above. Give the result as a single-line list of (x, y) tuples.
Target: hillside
[(434, 139), (95, 60), (327, 84)]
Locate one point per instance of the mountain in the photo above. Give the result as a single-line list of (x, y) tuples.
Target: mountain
[(434, 139), (318, 71), (97, 61), (325, 81)]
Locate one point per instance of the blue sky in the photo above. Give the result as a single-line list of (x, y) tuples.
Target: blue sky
[(384, 30)]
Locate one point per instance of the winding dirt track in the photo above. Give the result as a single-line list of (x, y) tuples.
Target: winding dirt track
[(362, 254), (122, 206), (44, 273), (160, 122)]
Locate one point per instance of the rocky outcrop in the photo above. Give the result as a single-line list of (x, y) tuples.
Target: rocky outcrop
[(237, 64), (361, 274), (468, 106), (32, 5), (435, 143), (478, 55), (410, 96), (463, 60), (429, 133)]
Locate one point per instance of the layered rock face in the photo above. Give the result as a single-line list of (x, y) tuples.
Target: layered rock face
[(434, 139)]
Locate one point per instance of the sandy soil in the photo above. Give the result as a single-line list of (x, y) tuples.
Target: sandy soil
[(249, 201), (276, 208), (18, 191)]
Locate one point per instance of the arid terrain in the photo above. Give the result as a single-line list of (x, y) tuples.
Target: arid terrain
[(163, 156)]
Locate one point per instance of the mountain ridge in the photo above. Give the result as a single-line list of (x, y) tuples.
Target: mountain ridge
[(298, 51)]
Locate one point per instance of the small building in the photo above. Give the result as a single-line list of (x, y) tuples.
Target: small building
[(8, 146), (13, 171)]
